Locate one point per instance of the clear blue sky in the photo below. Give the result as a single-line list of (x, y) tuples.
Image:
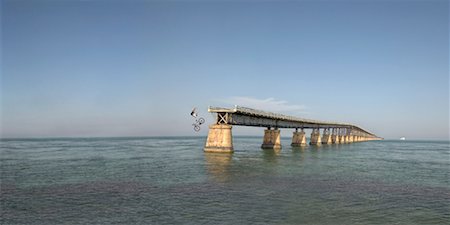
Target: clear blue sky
[(125, 68)]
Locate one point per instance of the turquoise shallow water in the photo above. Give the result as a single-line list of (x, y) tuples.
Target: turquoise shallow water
[(171, 181)]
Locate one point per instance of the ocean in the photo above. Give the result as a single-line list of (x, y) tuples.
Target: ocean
[(170, 180)]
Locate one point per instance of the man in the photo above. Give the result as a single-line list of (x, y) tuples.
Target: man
[(193, 113)]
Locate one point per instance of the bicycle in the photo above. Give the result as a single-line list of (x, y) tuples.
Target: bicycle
[(197, 124)]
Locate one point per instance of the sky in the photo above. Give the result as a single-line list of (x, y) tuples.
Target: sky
[(98, 68)]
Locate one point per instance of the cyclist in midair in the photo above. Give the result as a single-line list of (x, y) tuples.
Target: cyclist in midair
[(198, 121)]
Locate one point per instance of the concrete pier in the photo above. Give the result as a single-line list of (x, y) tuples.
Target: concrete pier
[(334, 136), (326, 139), (335, 139), (341, 139), (346, 139), (315, 137), (298, 138), (342, 133), (271, 139), (219, 139), (350, 138)]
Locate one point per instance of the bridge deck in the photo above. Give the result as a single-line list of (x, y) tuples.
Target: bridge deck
[(244, 116)]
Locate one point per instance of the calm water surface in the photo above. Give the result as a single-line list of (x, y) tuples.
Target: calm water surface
[(171, 181)]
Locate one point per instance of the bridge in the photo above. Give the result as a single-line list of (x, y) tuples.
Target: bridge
[(220, 136)]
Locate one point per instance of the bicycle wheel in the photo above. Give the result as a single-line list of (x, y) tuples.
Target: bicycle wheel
[(197, 128), (201, 121)]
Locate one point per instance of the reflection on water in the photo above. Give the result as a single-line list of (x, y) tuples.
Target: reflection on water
[(271, 155), (299, 152), (218, 166)]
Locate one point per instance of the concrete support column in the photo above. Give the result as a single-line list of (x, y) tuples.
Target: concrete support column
[(350, 138), (271, 139), (335, 139), (326, 139), (219, 139), (349, 134), (334, 136), (315, 137), (346, 139), (342, 139), (298, 139)]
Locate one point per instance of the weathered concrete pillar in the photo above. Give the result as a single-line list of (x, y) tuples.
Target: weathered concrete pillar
[(326, 139), (341, 136), (341, 139), (346, 139), (271, 139), (219, 139), (335, 139), (315, 137), (334, 136), (350, 138), (298, 139), (349, 135)]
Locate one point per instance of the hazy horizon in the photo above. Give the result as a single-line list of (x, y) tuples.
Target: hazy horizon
[(285, 137)]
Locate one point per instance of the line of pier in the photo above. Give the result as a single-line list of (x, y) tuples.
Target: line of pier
[(323, 133)]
